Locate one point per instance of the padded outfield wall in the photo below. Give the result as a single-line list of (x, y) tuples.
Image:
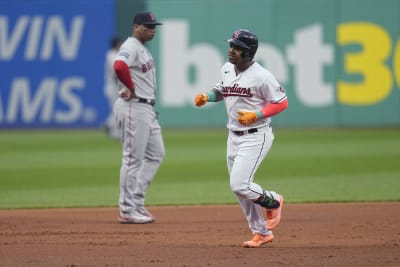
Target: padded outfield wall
[(339, 60), (52, 55)]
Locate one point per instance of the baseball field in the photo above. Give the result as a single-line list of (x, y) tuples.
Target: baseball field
[(59, 193)]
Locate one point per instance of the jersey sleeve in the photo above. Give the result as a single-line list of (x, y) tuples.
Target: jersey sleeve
[(127, 53), (272, 90)]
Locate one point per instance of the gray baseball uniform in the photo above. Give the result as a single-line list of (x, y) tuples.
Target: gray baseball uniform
[(143, 147)]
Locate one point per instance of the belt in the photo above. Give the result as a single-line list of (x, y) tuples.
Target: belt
[(249, 131), (146, 101)]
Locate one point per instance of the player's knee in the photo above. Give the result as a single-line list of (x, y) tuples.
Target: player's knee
[(240, 189), (158, 157), (161, 155)]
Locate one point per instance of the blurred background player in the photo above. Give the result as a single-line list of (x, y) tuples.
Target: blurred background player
[(142, 143), (252, 96), (111, 87)]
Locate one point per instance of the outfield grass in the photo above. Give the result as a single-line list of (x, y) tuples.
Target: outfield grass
[(81, 168)]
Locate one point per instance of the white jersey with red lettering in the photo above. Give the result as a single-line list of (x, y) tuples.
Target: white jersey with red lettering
[(250, 90), (247, 146)]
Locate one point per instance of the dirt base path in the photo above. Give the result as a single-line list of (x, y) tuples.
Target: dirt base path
[(353, 235)]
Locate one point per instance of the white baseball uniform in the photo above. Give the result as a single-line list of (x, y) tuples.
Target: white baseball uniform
[(143, 146), (111, 92), (250, 90)]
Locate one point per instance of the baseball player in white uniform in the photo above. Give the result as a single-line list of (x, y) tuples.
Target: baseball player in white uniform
[(252, 96), (142, 142), (110, 87)]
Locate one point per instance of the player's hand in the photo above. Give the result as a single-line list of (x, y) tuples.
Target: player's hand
[(201, 99), (127, 94), (247, 118)]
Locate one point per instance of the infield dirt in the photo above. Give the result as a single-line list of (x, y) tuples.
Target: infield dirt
[(362, 234)]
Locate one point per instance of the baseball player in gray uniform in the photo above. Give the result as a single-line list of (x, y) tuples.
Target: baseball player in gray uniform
[(252, 96), (142, 142)]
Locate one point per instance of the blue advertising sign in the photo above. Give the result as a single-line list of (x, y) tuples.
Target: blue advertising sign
[(52, 62)]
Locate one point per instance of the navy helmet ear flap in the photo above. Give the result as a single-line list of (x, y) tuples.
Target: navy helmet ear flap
[(247, 54)]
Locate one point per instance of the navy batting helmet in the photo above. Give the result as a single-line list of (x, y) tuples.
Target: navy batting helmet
[(246, 40)]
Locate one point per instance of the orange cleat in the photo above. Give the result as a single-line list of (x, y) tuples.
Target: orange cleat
[(274, 215), (258, 240)]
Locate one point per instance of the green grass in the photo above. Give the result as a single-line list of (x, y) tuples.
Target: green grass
[(81, 168)]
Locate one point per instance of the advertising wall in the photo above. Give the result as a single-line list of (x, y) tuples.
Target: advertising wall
[(52, 61), (339, 60)]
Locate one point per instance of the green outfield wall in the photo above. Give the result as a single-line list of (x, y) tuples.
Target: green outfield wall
[(339, 60)]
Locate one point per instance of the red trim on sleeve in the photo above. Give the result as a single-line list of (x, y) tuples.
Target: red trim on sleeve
[(123, 74), (274, 108)]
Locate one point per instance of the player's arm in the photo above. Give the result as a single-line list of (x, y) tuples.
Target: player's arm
[(121, 70), (212, 96), (271, 109)]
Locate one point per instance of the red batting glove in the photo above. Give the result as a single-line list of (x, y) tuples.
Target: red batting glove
[(201, 99), (247, 118)]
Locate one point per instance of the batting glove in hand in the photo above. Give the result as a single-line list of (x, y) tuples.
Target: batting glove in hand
[(247, 118), (201, 99)]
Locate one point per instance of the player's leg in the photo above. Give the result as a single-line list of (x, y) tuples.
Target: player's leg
[(122, 117), (270, 200), (254, 216), (250, 152), (255, 219), (231, 150), (132, 154), (154, 154), (239, 172)]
